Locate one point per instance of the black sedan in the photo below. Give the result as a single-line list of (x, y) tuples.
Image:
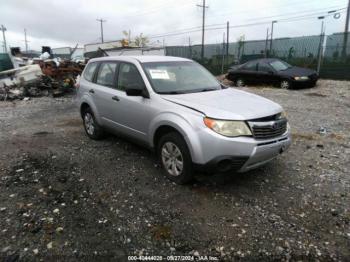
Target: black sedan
[(272, 71)]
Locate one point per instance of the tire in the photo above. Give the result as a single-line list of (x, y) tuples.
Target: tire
[(92, 128), (285, 84), (240, 82), (172, 149)]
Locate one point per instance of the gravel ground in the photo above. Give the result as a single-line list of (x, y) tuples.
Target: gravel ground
[(63, 196)]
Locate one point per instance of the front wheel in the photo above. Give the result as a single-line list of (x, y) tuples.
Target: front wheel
[(92, 128), (240, 82), (175, 158), (285, 84)]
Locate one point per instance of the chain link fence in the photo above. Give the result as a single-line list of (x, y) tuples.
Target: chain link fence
[(299, 51)]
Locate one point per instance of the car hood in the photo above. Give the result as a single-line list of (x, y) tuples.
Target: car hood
[(298, 71), (227, 103)]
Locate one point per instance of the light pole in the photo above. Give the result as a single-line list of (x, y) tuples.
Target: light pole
[(273, 22), (319, 53), (3, 29)]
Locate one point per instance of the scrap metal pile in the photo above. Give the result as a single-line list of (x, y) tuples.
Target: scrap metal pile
[(40, 77)]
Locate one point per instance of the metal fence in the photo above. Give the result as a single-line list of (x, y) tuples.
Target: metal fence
[(300, 51)]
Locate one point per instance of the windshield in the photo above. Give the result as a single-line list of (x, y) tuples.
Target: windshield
[(280, 65), (179, 77)]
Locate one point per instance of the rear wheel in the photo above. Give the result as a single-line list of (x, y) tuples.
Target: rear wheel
[(175, 158), (285, 84), (92, 128), (240, 82)]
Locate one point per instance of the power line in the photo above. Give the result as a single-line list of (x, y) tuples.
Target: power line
[(210, 27), (312, 15), (185, 29), (239, 12), (294, 13)]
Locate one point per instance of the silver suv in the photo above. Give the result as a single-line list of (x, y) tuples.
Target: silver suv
[(176, 107)]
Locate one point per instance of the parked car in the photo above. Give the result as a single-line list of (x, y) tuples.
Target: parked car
[(272, 71), (176, 107)]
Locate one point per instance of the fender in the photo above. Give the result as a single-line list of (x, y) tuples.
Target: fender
[(88, 100), (183, 126)]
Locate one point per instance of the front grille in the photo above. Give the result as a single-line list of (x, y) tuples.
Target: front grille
[(265, 130)]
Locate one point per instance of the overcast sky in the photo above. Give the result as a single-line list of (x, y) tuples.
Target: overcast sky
[(66, 23)]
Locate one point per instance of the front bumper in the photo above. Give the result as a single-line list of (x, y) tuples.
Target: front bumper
[(240, 154), (304, 83), (265, 152)]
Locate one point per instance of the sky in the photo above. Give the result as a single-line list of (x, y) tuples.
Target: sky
[(59, 23)]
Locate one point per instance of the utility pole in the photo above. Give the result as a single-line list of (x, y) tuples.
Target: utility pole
[(223, 53), (189, 47), (25, 40), (101, 21), (203, 25), (266, 42), (345, 40), (227, 40), (319, 54), (273, 22), (3, 29)]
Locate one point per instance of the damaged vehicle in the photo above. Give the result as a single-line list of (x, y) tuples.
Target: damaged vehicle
[(177, 108), (272, 71)]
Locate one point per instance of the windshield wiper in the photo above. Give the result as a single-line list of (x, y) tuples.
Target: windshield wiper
[(207, 89), (171, 93)]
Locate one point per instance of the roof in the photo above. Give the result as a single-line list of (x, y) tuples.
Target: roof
[(141, 59)]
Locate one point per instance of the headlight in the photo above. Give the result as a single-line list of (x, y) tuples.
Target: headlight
[(301, 78), (281, 115), (228, 127)]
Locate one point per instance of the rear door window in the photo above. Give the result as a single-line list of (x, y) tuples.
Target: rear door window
[(129, 77), (263, 67), (90, 71), (106, 74)]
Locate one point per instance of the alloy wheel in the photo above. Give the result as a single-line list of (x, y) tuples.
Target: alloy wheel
[(285, 84), (89, 123), (172, 159), (240, 82)]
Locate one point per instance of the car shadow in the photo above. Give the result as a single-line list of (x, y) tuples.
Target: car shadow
[(211, 182)]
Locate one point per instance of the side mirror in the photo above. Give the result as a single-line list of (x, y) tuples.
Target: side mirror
[(136, 91)]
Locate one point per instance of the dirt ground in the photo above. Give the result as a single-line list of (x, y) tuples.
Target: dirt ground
[(66, 197)]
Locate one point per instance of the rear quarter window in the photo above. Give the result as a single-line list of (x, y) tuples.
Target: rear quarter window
[(90, 71)]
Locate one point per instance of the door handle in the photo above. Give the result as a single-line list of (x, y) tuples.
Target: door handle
[(115, 98), (92, 91)]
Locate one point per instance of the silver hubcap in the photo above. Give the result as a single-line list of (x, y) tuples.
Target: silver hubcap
[(89, 123), (284, 84), (172, 159), (240, 82)]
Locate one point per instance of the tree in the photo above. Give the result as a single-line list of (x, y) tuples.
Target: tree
[(141, 41)]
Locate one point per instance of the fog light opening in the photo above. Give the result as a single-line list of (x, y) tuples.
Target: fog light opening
[(283, 148), (224, 165)]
